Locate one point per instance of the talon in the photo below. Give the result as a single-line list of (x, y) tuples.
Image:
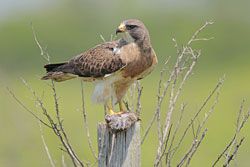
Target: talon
[(111, 112), (121, 112)]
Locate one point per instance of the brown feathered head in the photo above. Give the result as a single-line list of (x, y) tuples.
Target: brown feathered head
[(135, 28)]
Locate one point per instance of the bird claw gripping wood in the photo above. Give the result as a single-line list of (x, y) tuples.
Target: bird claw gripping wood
[(120, 122)]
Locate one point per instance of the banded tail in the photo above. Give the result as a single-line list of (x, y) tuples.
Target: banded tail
[(58, 72)]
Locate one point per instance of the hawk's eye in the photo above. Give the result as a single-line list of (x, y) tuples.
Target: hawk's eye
[(130, 27)]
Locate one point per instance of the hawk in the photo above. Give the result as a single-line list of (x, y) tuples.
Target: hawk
[(113, 66)]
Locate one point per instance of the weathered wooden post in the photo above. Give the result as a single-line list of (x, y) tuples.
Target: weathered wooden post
[(119, 141)]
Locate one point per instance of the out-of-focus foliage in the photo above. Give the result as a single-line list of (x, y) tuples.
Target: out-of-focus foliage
[(67, 28)]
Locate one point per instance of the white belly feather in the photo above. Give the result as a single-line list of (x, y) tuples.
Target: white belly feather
[(104, 89)]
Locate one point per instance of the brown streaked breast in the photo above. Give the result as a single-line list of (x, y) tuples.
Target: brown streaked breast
[(138, 64)]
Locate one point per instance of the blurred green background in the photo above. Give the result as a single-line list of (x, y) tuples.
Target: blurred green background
[(67, 28)]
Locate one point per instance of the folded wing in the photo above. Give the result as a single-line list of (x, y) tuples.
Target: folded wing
[(94, 63)]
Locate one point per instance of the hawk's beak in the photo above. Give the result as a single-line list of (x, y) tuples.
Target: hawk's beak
[(121, 28)]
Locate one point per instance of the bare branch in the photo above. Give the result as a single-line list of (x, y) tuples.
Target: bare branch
[(159, 101), (207, 115), (172, 102), (230, 158), (168, 159), (53, 124), (158, 159), (103, 39), (59, 132), (203, 39), (188, 156), (216, 89), (85, 122), (46, 147), (223, 152), (43, 53), (194, 37), (196, 146), (26, 108), (66, 140), (239, 127), (176, 69)]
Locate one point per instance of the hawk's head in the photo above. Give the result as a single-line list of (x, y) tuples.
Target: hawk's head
[(135, 28)]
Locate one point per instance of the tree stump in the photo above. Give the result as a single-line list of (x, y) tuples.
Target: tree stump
[(119, 141)]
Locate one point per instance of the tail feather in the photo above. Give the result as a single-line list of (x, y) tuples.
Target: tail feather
[(53, 67), (57, 72)]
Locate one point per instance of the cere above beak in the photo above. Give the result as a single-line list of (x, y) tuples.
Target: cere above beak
[(121, 28)]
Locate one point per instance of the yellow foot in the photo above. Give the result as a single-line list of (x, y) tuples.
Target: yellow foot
[(121, 112), (111, 112)]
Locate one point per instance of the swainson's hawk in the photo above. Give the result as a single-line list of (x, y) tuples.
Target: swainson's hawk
[(112, 66)]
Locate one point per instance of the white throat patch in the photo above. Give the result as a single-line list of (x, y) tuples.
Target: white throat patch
[(116, 50)]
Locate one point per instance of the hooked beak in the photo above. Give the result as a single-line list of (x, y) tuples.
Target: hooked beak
[(121, 28)]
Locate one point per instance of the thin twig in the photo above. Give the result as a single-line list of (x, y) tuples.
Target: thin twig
[(173, 100), (179, 58), (72, 152), (45, 146), (53, 124), (196, 147), (64, 138), (103, 39), (44, 54), (230, 158), (193, 148), (239, 128), (203, 39), (159, 101), (168, 159), (85, 122), (194, 37), (223, 152), (26, 108), (207, 115), (217, 87), (158, 159)]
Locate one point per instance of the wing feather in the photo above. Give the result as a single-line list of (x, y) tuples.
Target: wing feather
[(96, 62)]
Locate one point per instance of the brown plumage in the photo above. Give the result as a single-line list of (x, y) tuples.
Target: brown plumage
[(114, 65), (94, 63)]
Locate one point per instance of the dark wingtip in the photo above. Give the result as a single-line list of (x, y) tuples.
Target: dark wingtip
[(45, 77), (51, 67), (46, 65)]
